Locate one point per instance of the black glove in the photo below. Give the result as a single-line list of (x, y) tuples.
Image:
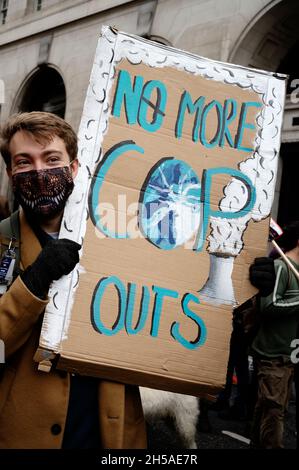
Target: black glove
[(57, 258), (262, 275)]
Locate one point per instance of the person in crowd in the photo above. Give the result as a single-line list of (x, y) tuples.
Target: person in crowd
[(240, 405), (260, 271), (229, 406), (271, 346), (55, 409)]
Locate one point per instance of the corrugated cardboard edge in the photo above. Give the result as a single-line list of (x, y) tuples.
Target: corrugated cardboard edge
[(133, 376)]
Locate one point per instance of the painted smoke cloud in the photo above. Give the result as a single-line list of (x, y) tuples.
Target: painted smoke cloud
[(226, 238)]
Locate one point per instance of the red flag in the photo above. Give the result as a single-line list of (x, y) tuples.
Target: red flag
[(275, 231)]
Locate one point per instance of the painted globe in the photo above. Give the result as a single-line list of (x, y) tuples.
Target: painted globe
[(169, 213)]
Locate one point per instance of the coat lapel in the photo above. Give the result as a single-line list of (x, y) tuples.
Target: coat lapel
[(30, 246)]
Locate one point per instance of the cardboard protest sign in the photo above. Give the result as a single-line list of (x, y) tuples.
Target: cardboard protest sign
[(178, 160)]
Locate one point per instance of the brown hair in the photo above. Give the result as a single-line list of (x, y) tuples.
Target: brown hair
[(43, 126), (290, 236)]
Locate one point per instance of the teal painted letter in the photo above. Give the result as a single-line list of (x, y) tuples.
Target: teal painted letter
[(96, 306), (202, 331), (129, 95), (245, 125), (160, 294), (206, 192), (157, 112)]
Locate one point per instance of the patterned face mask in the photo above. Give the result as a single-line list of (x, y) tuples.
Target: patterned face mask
[(43, 193)]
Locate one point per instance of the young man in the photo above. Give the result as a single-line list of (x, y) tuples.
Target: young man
[(55, 409), (272, 344)]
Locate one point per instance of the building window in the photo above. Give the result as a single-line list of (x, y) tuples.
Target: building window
[(3, 11), (33, 6), (43, 91)]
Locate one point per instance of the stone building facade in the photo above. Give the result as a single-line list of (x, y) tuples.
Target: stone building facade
[(47, 48)]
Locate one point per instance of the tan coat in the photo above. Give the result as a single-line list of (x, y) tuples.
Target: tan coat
[(33, 402)]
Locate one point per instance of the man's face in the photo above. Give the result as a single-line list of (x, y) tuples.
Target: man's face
[(41, 173), (27, 154)]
